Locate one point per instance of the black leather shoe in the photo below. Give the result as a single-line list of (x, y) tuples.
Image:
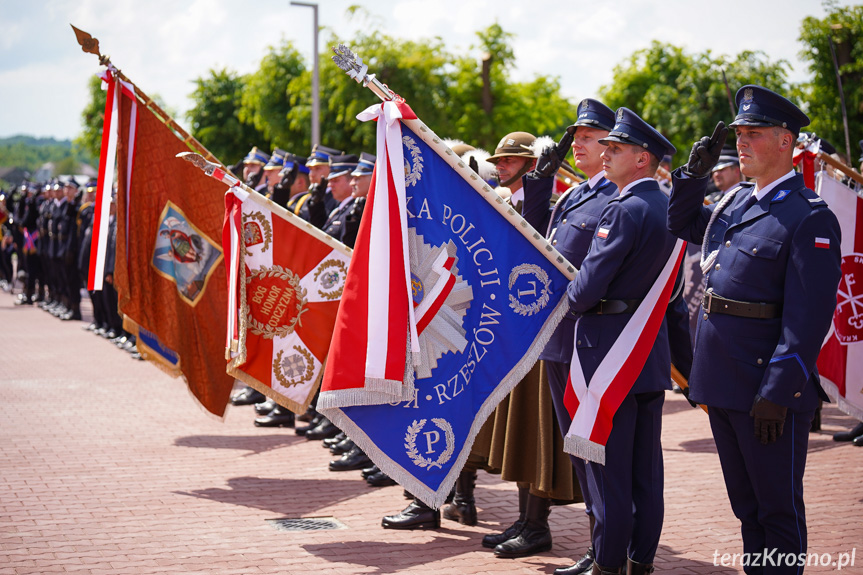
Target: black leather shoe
[(324, 429), (353, 459), (849, 435), (303, 429), (858, 441), (248, 396), (308, 416), (265, 407), (331, 441), (417, 515), (101, 331), (369, 471), (581, 567), (120, 340), (380, 479), (110, 334), (342, 447), (278, 417)]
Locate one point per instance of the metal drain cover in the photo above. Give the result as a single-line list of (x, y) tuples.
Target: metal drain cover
[(307, 524)]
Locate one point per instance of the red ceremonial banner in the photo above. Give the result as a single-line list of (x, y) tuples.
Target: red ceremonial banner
[(168, 271)]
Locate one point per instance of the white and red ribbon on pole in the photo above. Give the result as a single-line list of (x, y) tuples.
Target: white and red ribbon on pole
[(232, 235), (592, 407), (390, 310), (107, 157), (107, 163)]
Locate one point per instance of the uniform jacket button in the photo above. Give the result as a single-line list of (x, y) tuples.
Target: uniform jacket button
[(759, 361), (705, 316), (797, 394), (583, 224), (579, 342), (728, 244), (754, 250), (554, 243), (717, 267), (564, 221)]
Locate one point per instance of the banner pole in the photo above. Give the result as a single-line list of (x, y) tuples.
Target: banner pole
[(353, 66)]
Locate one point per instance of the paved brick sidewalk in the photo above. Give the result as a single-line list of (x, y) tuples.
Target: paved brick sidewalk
[(109, 466)]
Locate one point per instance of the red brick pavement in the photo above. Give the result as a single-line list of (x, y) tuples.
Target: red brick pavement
[(109, 466)]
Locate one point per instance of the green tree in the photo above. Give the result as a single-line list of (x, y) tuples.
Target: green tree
[(265, 100), (215, 117), (683, 95), (486, 105), (92, 117), (845, 26)]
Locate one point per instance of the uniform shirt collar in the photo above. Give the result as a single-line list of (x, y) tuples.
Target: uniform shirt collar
[(517, 196), (759, 194), (594, 181), (635, 183)]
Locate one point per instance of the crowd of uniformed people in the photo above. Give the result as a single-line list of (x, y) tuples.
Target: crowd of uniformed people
[(772, 247)]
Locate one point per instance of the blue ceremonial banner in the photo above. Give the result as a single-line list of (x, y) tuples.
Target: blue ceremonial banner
[(487, 293)]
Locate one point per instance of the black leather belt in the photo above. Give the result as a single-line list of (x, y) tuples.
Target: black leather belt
[(614, 306), (714, 303)]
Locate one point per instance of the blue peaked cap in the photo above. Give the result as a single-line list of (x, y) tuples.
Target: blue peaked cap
[(277, 160), (594, 114), (255, 156), (757, 106), (321, 155), (366, 165), (630, 129), (290, 160)]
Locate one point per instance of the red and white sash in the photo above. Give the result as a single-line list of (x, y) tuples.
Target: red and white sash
[(107, 161), (592, 407)]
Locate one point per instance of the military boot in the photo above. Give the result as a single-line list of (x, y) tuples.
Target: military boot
[(463, 506), (585, 564), (492, 540), (417, 515), (535, 536), (600, 570), (633, 568)]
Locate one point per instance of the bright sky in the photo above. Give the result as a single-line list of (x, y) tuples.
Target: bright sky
[(163, 45)]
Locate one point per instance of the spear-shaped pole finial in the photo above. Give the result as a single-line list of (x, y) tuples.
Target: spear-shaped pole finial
[(211, 169), (90, 45), (354, 67)]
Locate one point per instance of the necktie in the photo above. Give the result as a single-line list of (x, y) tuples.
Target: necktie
[(751, 201)]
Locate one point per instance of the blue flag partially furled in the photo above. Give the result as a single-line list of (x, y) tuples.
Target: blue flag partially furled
[(486, 292)]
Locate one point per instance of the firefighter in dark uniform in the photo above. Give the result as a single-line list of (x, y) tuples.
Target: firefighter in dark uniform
[(343, 222), (772, 259), (85, 233), (68, 230), (27, 216), (294, 184)]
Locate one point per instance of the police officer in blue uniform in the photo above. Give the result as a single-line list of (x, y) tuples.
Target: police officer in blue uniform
[(772, 258), (573, 222), (624, 260)]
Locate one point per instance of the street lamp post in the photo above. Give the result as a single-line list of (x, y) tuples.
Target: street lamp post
[(316, 105)]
